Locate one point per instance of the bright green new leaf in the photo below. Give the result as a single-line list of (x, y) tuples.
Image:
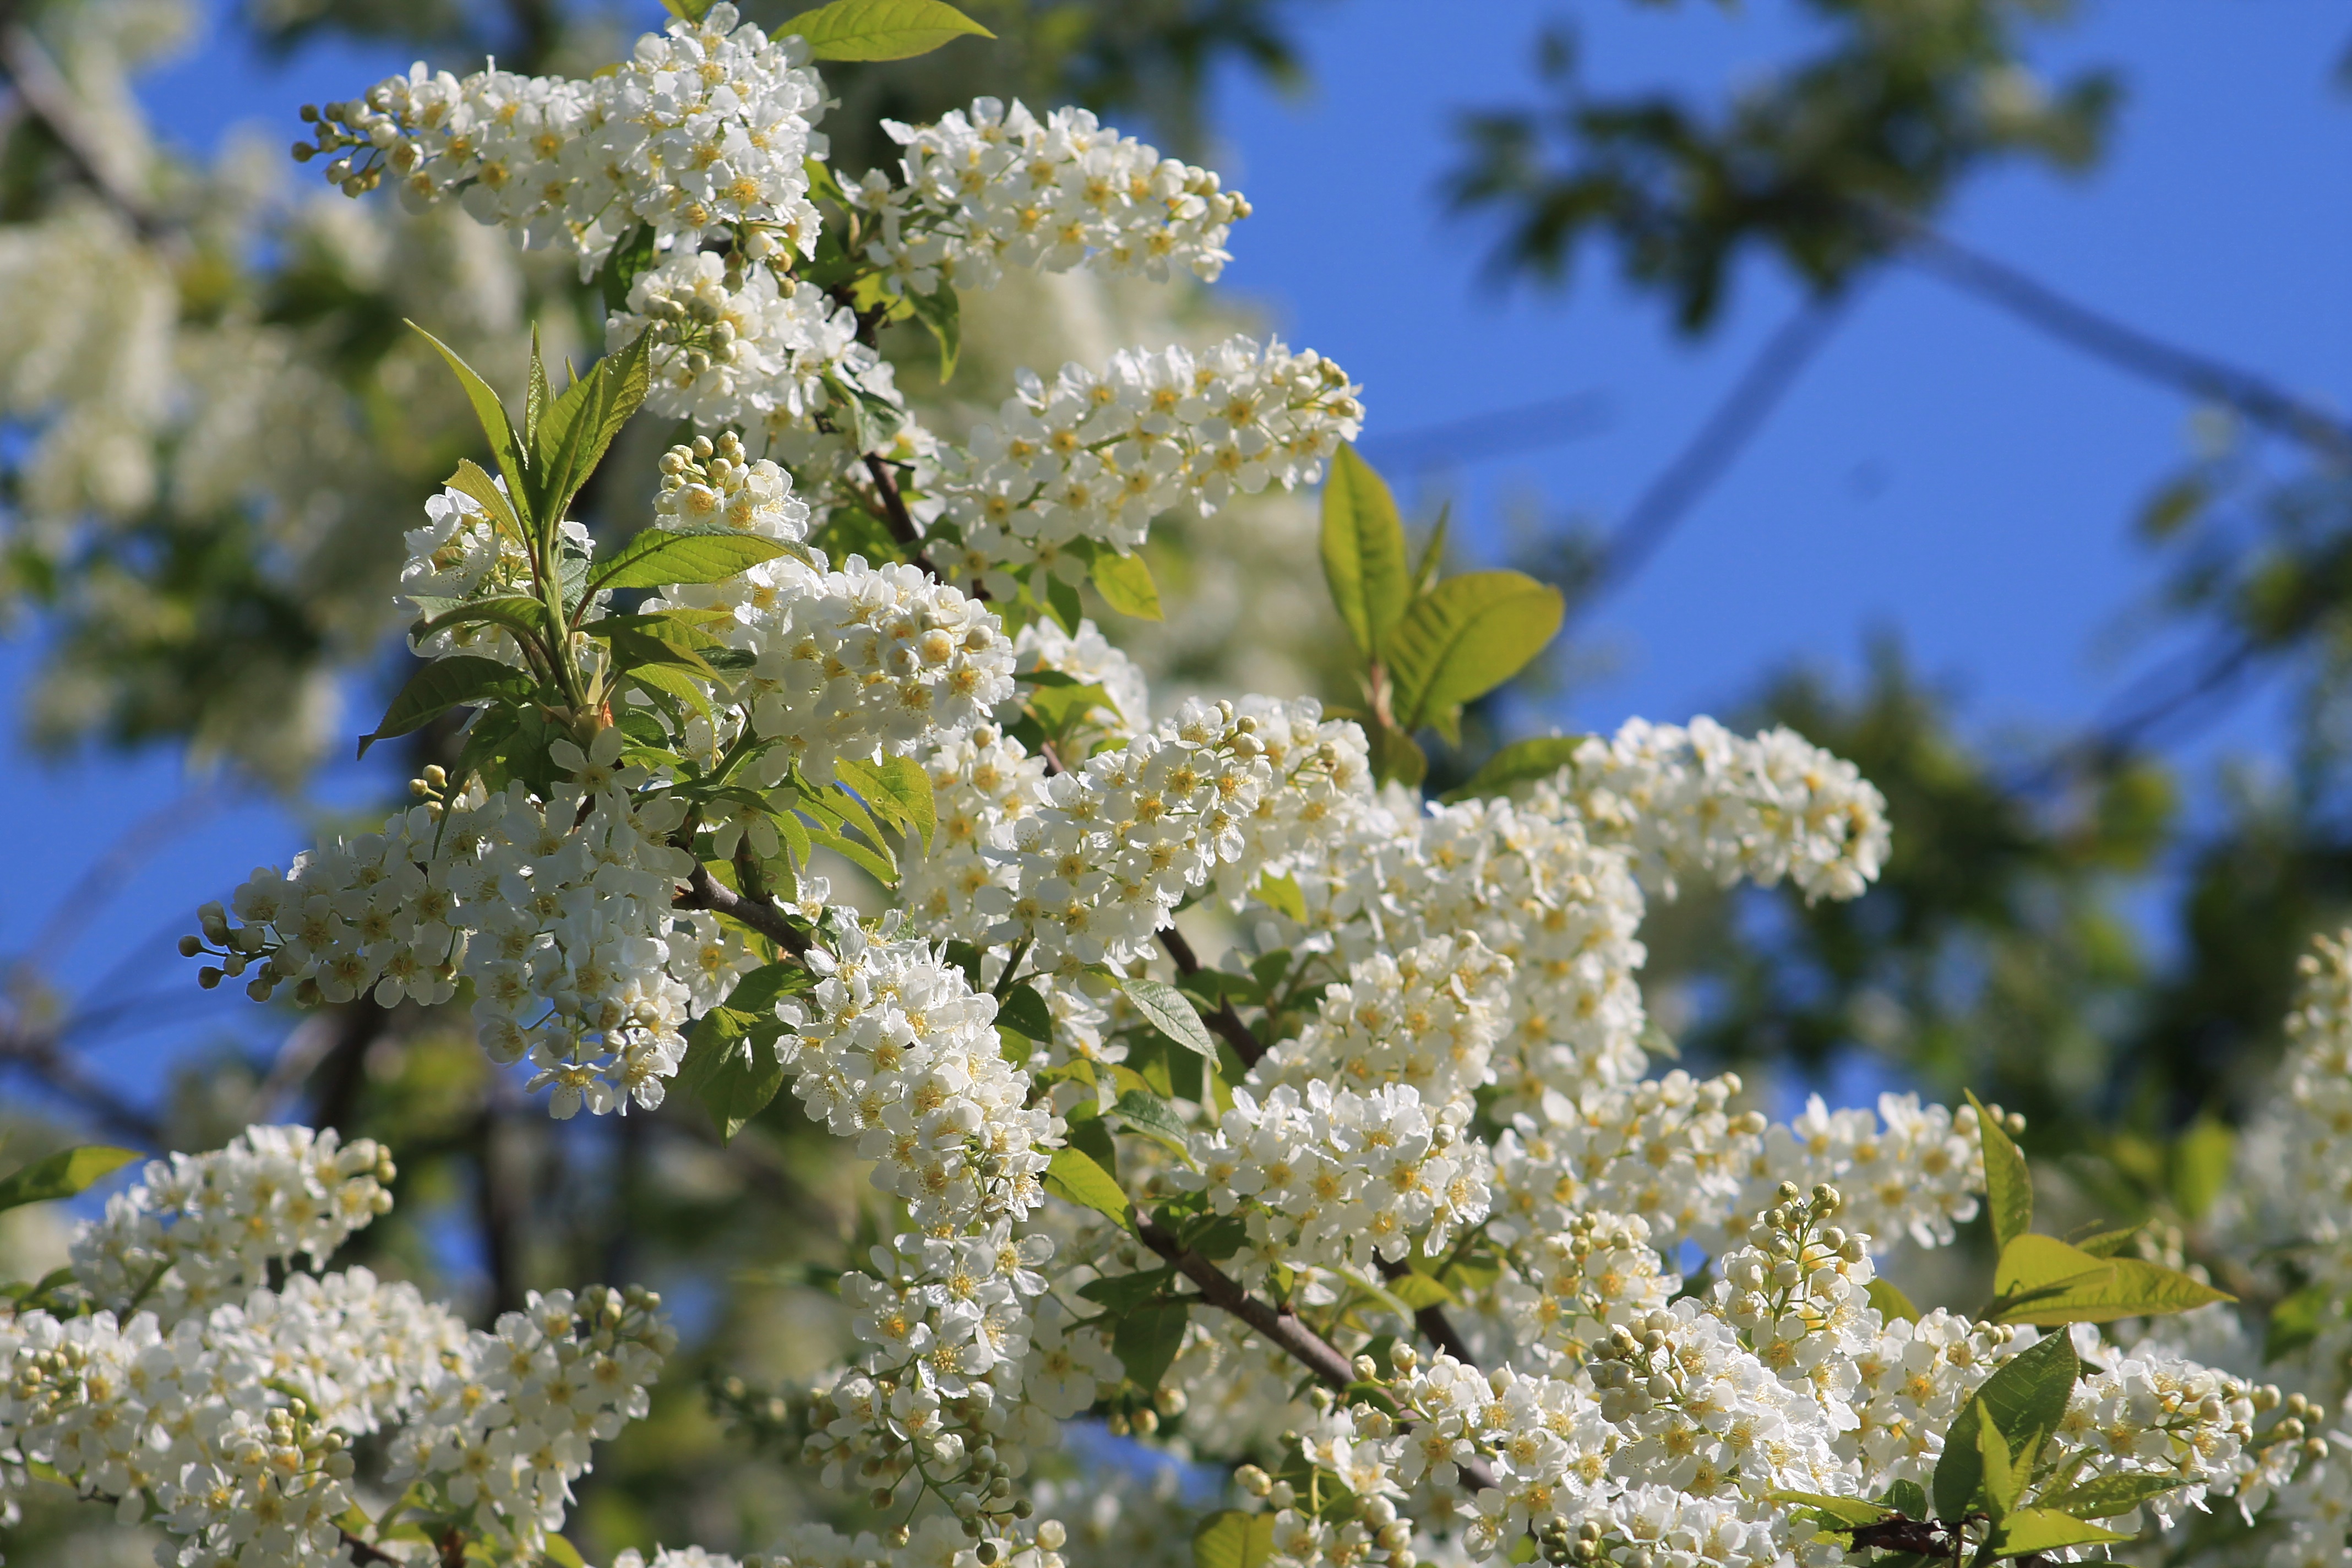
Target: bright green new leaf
[(667, 680), (1850, 1511), (1171, 1013), (2009, 1185), (657, 557), (2201, 1159), (2033, 1530), (62, 1174), (940, 312), (2296, 1321), (1146, 1341), (504, 445), (688, 10), (1892, 1302), (2000, 1472), (1125, 582), (536, 393), (2109, 1243), (2041, 1279), (2104, 1497), (1461, 639), (634, 647), (2027, 1398), (578, 426), (879, 29), (899, 790), (563, 1553), (1025, 1012), (1283, 895), (1233, 1539), (444, 684), (1364, 552), (470, 480), (1521, 761), (1074, 1175)]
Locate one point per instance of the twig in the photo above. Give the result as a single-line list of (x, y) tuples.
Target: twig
[(705, 891), (1529, 426), (900, 521), (1224, 1020), (1701, 462), (37, 1053), (2259, 399), (364, 1551), (1283, 1329), (1434, 1325)]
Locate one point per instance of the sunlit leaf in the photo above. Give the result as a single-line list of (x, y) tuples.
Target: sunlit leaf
[(1465, 637), (1233, 1539), (2009, 1185), (444, 684), (1170, 1012), (1521, 761), (2027, 1397), (62, 1174), (1073, 1175), (879, 29), (1125, 582)]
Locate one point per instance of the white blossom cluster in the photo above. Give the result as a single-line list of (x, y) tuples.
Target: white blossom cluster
[(1088, 658), (1427, 1018), (1910, 1169), (708, 484), (993, 185), (1217, 792), (934, 1542), (1333, 1179), (1701, 799), (854, 663), (225, 1412), (1096, 456), (735, 345), (559, 911), (702, 131), (460, 557)]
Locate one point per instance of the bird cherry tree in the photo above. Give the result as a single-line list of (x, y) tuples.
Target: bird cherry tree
[(1377, 1215)]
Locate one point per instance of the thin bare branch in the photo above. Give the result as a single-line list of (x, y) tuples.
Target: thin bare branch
[(705, 891), (50, 98)]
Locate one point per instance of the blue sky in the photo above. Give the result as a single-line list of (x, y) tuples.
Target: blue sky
[(1941, 470)]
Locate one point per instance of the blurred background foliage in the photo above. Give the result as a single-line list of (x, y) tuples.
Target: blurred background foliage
[(210, 446)]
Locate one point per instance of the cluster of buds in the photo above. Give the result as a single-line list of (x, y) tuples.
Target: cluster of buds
[(696, 322), (2297, 1415), (1796, 1244), (1560, 1544), (1634, 1368), (982, 1498), (367, 138), (235, 947), (1376, 1532), (1140, 1415)]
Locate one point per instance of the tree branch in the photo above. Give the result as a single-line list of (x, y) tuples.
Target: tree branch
[(2260, 400), (1281, 1329), (901, 521), (362, 1551), (1227, 1023), (1434, 1325), (705, 891), (1703, 459), (37, 1053)]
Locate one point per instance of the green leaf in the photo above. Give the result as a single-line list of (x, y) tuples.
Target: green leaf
[(492, 413), (1025, 1012), (535, 392), (471, 480), (444, 684), (1232, 1539), (1999, 1473), (1283, 895), (2027, 1399), (1125, 582), (62, 1174), (2033, 1530), (1364, 552), (1062, 603), (879, 29), (1907, 1499), (1146, 1340), (2296, 1321), (1124, 1292), (1396, 756), (2009, 1185), (2041, 1279), (688, 10), (1521, 761), (636, 646), (1891, 1302), (874, 422), (898, 790), (658, 558), (670, 681), (632, 255), (563, 1553), (519, 613), (1074, 1175), (940, 312), (731, 1065), (1060, 708), (1419, 1290), (2109, 1243), (1151, 1114), (2201, 1159), (1852, 1512), (2104, 1497), (1171, 1013), (580, 425), (757, 991), (1465, 637)]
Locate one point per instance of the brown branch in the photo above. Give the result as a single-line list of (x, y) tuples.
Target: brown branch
[(705, 891), (1283, 1329), (900, 521), (1227, 1023), (1434, 1325), (364, 1551)]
